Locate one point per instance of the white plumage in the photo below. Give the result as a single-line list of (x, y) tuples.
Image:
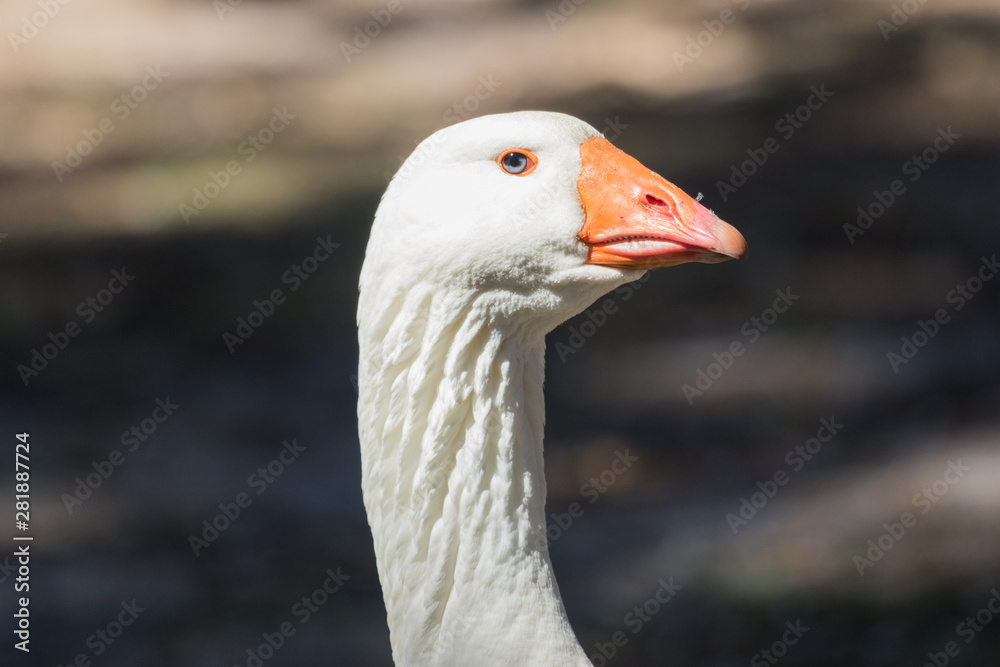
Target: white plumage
[(469, 265)]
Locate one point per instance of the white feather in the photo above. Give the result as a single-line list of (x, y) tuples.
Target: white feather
[(467, 269)]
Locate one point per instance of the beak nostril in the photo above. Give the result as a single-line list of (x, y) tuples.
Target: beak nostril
[(654, 201)]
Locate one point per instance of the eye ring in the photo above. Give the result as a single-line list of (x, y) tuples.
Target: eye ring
[(517, 161)]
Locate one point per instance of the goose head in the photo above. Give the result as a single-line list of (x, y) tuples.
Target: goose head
[(493, 232), (538, 214)]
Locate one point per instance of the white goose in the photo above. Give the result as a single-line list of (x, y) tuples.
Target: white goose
[(494, 231)]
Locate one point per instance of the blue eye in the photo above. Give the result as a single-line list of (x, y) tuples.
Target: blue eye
[(517, 162), (514, 163)]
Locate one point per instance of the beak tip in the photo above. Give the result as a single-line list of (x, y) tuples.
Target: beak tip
[(730, 242)]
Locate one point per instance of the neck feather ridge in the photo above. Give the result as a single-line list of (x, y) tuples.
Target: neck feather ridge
[(451, 417)]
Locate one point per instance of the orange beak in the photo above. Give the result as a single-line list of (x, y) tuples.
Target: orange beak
[(636, 219)]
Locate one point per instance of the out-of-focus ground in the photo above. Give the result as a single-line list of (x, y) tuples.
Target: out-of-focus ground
[(216, 74)]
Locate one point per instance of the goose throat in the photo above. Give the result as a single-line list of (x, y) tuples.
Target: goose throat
[(454, 485)]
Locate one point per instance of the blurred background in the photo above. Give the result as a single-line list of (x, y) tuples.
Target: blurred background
[(166, 165)]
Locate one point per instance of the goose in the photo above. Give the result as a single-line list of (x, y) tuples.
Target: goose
[(494, 231)]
